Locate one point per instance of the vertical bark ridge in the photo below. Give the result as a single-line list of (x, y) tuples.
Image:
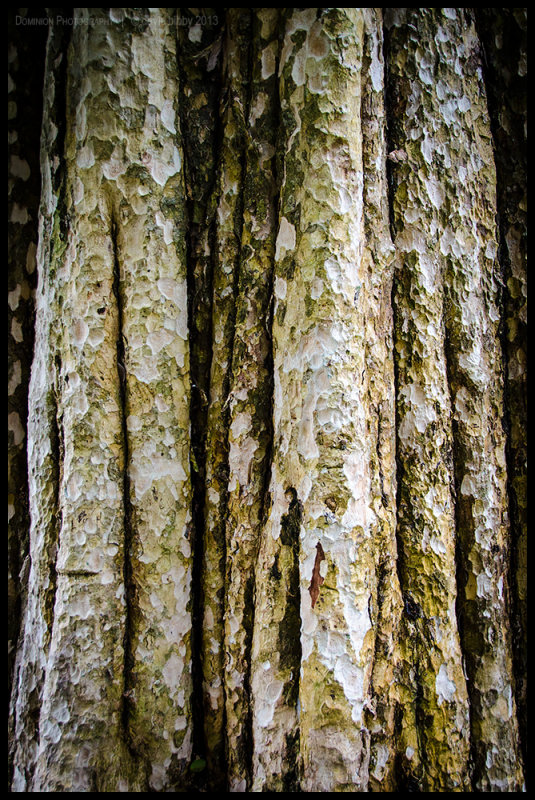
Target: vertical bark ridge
[(226, 266), (503, 37), (473, 370), (251, 385), (200, 73), (128, 532), (82, 744), (72, 725), (318, 445), (151, 247), (435, 683), (386, 598)]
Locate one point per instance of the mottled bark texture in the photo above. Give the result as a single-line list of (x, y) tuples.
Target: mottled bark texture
[(267, 478)]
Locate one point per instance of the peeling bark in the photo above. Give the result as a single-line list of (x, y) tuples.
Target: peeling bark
[(276, 417)]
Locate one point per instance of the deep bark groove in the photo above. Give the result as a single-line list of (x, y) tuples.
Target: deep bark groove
[(58, 456), (390, 138), (128, 523), (202, 133), (461, 550)]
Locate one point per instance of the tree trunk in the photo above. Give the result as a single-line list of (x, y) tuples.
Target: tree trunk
[(275, 430)]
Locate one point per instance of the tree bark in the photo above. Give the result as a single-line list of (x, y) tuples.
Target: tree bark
[(275, 433)]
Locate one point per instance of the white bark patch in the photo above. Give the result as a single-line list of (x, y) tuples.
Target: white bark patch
[(159, 339), (381, 760), (474, 361), (85, 157), (195, 33), (241, 424), (376, 67), (280, 288), (317, 43), (148, 469), (435, 191), (485, 586), (172, 671), (420, 415), (314, 350), (445, 688), (147, 59), (266, 701), (173, 290), (286, 239), (167, 116), (167, 227), (357, 478), (161, 168), (80, 331), (316, 289), (240, 457), (77, 192)]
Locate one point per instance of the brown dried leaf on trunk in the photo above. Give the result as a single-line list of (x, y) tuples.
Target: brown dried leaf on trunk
[(316, 579)]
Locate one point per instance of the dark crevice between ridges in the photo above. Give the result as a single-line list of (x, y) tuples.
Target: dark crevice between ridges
[(278, 172), (401, 775), (198, 423), (57, 444), (57, 55), (128, 528), (505, 87), (247, 738), (290, 648), (394, 101), (200, 172), (390, 120), (466, 623), (27, 73)]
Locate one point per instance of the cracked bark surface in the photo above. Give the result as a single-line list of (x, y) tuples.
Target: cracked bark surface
[(275, 425)]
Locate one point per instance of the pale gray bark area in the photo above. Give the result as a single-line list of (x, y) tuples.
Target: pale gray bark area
[(276, 417)]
